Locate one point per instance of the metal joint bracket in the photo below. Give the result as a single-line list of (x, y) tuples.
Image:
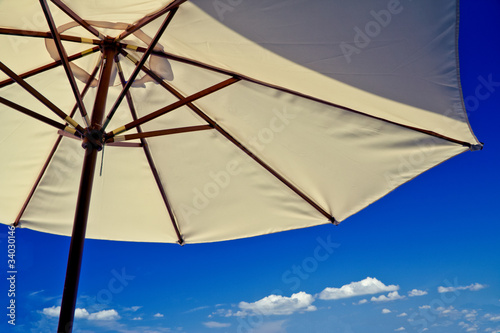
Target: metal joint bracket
[(93, 139)]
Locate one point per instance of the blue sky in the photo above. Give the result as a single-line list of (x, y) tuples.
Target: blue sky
[(423, 258)]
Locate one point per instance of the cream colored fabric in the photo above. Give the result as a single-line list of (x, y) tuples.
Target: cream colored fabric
[(406, 73)]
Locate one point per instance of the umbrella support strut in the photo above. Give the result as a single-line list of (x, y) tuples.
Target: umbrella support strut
[(92, 144)]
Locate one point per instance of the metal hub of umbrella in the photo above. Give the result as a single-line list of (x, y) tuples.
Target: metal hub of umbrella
[(210, 129)]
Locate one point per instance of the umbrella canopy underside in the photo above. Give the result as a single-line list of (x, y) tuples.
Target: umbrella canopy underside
[(243, 121)]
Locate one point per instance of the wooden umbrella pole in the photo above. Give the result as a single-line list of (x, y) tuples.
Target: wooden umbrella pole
[(82, 209)]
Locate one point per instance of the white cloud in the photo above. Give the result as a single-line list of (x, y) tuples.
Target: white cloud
[(137, 318), (390, 297), (416, 292), (367, 286), (448, 310), (472, 287), (223, 313), (404, 314), (214, 324), (471, 316), (104, 315), (36, 292), (83, 313), (158, 315), (133, 308), (454, 314), (491, 317), (424, 307), (200, 308), (54, 311), (400, 329), (385, 311), (363, 301), (278, 305)]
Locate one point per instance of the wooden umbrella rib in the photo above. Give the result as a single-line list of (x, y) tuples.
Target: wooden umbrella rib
[(173, 106), (147, 19), (149, 157), (52, 152), (233, 140), (125, 144), (41, 34), (65, 62), (47, 67), (263, 164), (248, 152), (88, 84), (138, 66), (151, 134), (292, 92), (150, 73), (266, 166), (78, 19), (32, 114), (41, 98), (37, 181)]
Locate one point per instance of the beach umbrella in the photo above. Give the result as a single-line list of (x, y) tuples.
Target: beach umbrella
[(202, 121)]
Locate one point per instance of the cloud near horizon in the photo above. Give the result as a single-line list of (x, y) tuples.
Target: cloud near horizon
[(367, 286), (416, 292), (472, 287), (278, 305), (392, 296), (214, 324), (83, 313)]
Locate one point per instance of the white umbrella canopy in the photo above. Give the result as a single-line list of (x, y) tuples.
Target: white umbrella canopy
[(241, 118), (333, 106)]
